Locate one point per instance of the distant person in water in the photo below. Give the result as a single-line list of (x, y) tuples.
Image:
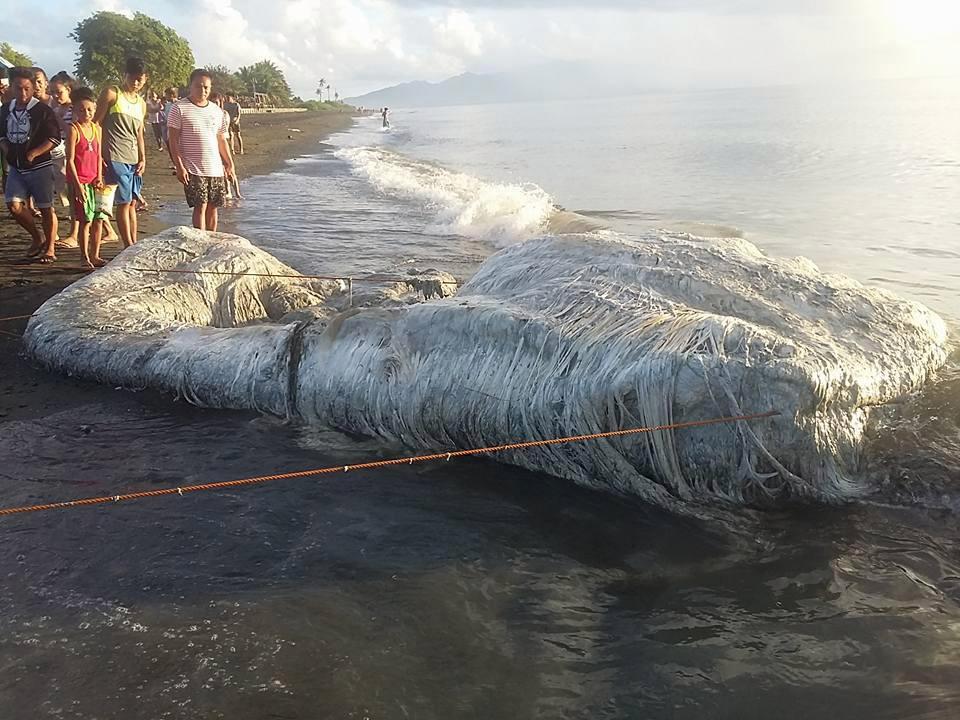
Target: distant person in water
[(232, 108), (199, 149), (121, 112), (386, 120), (28, 132)]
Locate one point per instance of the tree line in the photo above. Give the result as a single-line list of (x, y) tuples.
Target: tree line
[(106, 39)]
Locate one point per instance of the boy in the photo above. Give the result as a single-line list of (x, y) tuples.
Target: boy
[(28, 132), (121, 113), (85, 172)]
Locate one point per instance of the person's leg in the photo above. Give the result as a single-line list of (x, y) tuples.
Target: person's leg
[(239, 139), (71, 240), (216, 197), (17, 195), (134, 224), (126, 212), (211, 217), (96, 233), (42, 184), (48, 217), (123, 213), (200, 216), (83, 241), (195, 192), (24, 217)]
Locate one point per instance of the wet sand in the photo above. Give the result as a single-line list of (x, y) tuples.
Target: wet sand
[(27, 392)]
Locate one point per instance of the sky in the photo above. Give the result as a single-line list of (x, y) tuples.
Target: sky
[(363, 45)]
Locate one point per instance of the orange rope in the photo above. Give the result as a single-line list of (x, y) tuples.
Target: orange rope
[(373, 465)]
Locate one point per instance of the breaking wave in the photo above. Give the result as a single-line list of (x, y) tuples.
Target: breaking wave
[(500, 213)]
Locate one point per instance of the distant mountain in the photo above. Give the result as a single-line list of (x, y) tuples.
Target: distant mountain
[(557, 81)]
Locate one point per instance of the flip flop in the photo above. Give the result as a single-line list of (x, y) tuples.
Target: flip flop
[(46, 259)]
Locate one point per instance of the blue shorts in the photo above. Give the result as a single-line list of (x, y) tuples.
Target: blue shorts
[(38, 184), (121, 175)]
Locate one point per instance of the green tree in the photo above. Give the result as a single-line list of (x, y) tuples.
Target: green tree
[(17, 58), (107, 39), (224, 80), (266, 77)]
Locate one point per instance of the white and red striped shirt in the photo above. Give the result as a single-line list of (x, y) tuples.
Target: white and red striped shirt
[(199, 128)]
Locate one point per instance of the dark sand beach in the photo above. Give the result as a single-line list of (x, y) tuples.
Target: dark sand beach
[(26, 392)]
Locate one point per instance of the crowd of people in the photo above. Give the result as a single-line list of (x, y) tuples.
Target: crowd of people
[(61, 143)]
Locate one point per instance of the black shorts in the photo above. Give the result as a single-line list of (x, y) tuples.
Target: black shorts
[(205, 191), (234, 127)]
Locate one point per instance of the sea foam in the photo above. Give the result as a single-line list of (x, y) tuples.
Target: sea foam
[(461, 204)]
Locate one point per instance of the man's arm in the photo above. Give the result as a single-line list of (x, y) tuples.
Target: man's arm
[(173, 140), (51, 129), (72, 158), (107, 98), (141, 152), (4, 143), (225, 155)]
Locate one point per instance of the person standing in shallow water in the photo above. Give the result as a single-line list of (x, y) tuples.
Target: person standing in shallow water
[(28, 132), (197, 129), (122, 112), (232, 108), (386, 121)]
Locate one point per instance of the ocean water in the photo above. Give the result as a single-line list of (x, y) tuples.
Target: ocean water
[(474, 590)]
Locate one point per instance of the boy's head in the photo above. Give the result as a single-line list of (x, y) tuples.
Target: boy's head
[(21, 84), (40, 82), (84, 104), (231, 97), (200, 85), (170, 93), (60, 86), (134, 75)]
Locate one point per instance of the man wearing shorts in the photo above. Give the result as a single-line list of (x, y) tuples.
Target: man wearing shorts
[(197, 130), (28, 132), (121, 113)]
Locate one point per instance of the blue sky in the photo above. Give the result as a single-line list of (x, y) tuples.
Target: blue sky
[(362, 45)]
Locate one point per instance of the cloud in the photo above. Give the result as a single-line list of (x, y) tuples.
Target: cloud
[(360, 45), (457, 33)]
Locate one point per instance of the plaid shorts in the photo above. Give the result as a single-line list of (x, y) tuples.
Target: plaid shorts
[(201, 190)]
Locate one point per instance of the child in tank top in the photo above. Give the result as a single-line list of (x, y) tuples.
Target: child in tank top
[(85, 172)]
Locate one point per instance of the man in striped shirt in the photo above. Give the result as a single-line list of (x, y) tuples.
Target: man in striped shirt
[(197, 130)]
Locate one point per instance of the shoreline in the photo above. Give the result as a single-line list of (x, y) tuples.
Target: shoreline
[(29, 392)]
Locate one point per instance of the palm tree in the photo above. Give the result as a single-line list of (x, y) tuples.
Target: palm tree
[(320, 86), (265, 77), (336, 96)]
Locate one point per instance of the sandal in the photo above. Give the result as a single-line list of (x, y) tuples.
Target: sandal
[(46, 259)]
